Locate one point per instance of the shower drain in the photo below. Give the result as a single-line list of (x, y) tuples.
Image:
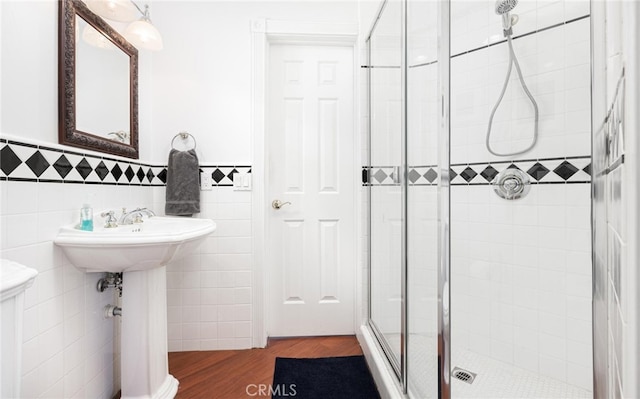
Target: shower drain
[(463, 375)]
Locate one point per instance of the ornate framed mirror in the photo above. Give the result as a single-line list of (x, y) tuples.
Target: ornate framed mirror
[(97, 84)]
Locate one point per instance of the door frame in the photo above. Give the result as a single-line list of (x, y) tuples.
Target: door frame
[(264, 33)]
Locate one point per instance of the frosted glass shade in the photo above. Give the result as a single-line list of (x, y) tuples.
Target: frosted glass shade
[(96, 39), (115, 10), (143, 34)]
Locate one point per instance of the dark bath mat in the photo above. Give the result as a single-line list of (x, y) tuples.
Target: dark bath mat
[(345, 377)]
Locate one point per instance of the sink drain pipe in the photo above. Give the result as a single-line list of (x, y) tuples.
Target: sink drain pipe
[(112, 311)]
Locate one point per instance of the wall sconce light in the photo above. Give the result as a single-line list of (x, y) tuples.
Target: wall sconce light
[(96, 39), (115, 10), (140, 33)]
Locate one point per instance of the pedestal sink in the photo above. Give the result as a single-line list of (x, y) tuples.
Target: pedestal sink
[(141, 251)]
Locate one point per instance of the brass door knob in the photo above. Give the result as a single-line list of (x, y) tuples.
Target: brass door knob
[(277, 204)]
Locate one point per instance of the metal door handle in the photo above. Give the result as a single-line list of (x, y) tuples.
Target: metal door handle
[(277, 204), (395, 174)]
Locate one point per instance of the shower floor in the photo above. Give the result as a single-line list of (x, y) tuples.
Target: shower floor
[(494, 379)]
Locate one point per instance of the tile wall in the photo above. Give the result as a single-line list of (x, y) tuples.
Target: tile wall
[(555, 65), (521, 270), (521, 279), (209, 293), (70, 349)]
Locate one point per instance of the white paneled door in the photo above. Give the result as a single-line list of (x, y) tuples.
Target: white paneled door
[(312, 172)]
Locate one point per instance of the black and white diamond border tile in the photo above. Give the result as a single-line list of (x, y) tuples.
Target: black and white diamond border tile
[(541, 171), (417, 175), (28, 162)]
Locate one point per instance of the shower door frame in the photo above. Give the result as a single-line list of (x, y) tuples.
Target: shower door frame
[(398, 367), (444, 259), (444, 202)]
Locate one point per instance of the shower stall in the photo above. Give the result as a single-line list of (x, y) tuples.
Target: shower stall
[(479, 285)]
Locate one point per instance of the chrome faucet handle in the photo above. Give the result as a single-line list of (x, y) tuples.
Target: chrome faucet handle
[(137, 218), (146, 211), (111, 219)]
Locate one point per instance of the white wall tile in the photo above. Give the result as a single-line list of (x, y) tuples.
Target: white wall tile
[(73, 355), (50, 342), (226, 330), (174, 331), (190, 332), (30, 355), (579, 330), (191, 297), (242, 329), (73, 382), (51, 372), (175, 345), (190, 315), (580, 375), (209, 313), (21, 198), (30, 323), (552, 367), (226, 296), (579, 285), (22, 229)]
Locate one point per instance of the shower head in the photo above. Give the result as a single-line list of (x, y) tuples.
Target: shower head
[(504, 6)]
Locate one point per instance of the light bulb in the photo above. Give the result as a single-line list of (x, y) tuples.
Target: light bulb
[(115, 10), (144, 35)]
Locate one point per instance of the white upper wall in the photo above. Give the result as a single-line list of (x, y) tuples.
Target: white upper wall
[(200, 82), (29, 74), (29, 80), (202, 78)]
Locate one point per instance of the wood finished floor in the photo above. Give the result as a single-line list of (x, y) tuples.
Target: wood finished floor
[(226, 374)]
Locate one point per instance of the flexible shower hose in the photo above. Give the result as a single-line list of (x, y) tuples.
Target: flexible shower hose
[(513, 61)]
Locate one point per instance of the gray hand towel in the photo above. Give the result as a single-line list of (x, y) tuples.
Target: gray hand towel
[(183, 183)]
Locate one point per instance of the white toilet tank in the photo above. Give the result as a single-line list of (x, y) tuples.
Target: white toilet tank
[(14, 279)]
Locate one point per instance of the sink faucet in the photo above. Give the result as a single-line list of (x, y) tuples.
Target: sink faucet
[(135, 216), (111, 219)]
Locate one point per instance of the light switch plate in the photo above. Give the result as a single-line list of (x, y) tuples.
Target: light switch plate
[(241, 181), (206, 181)]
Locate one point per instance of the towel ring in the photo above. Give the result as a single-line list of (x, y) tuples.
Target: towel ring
[(184, 136)]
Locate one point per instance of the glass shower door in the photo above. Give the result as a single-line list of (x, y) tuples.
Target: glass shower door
[(407, 189), (385, 179), (422, 198)]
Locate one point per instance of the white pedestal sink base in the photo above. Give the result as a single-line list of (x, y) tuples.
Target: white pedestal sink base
[(145, 365), (168, 389), (141, 252)]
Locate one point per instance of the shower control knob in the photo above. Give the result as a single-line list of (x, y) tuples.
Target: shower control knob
[(511, 184)]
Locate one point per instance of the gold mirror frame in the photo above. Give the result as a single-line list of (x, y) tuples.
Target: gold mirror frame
[(67, 132)]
